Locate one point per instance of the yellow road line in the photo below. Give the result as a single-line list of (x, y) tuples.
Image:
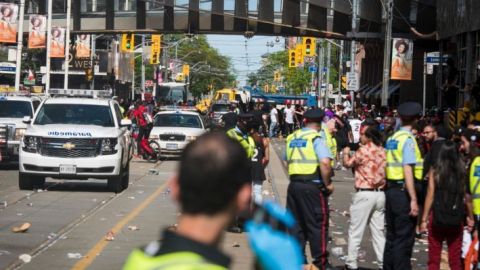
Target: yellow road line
[(100, 245)]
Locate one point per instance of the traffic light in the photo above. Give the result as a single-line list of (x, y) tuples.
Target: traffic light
[(276, 76), (265, 88), (292, 61), (299, 55), (155, 49), (89, 74), (309, 46), (128, 42), (186, 70), (274, 88), (344, 82)]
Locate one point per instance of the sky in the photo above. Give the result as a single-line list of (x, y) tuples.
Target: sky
[(245, 59)]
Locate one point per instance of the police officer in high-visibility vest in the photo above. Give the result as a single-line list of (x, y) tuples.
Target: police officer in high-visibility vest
[(308, 160), (329, 129), (404, 164), (241, 133), (212, 185)]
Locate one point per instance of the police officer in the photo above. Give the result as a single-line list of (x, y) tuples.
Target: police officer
[(240, 133), (308, 160), (211, 187), (328, 135), (404, 164)]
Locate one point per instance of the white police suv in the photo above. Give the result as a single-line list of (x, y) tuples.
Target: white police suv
[(13, 108), (76, 138)]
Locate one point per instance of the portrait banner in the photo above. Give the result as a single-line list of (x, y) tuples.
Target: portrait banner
[(8, 22), (37, 31), (402, 58), (57, 45), (82, 46)]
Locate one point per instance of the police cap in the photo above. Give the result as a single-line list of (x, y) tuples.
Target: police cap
[(314, 114), (409, 109)]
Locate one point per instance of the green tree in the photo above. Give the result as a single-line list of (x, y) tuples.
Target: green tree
[(209, 70)]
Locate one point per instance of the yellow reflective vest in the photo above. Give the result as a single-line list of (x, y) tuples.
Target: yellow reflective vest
[(394, 147), (301, 156), (330, 141), (248, 144), (475, 185), (138, 260)]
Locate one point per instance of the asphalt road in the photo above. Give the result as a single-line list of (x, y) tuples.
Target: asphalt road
[(70, 220)]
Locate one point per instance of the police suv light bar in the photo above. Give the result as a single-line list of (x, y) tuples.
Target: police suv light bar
[(177, 108), (81, 93)]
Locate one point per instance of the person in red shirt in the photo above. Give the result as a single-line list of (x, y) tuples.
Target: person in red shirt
[(141, 123)]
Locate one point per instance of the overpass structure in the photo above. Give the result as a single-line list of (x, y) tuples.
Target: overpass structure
[(318, 18)]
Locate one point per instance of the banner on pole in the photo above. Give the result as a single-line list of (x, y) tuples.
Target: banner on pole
[(37, 31), (82, 46), (8, 22), (402, 56), (57, 44)]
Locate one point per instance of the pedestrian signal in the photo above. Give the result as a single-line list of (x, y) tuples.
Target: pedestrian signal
[(292, 62), (309, 46), (128, 42), (155, 49), (299, 55), (344, 82)]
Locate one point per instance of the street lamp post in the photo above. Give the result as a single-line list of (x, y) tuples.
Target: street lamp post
[(18, 68)]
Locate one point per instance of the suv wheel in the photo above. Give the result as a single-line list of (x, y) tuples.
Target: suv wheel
[(126, 177), (120, 182), (28, 182)]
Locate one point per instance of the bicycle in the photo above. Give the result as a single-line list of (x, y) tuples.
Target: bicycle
[(150, 150)]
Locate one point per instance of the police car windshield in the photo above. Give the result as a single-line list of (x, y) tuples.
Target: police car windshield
[(220, 107), (177, 120), (76, 114), (15, 108)]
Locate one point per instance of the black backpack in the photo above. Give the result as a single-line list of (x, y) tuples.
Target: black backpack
[(448, 208)]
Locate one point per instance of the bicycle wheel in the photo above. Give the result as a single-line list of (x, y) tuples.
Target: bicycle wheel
[(155, 155)]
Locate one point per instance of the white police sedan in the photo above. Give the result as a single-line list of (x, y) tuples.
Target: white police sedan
[(174, 129)]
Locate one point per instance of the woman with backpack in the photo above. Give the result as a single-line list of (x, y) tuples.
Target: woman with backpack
[(444, 210)]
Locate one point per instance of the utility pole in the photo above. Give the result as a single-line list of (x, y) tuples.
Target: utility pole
[(92, 54), (353, 49), (143, 64), (340, 72), (49, 41), (320, 72), (387, 48), (18, 67), (67, 46), (327, 79)]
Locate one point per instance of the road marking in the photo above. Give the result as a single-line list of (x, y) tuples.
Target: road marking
[(100, 246)]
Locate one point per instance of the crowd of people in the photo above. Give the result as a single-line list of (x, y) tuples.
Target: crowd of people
[(413, 178)]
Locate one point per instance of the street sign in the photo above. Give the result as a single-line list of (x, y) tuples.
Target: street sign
[(312, 69), (352, 81)]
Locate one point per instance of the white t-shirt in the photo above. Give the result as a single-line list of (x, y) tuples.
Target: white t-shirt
[(289, 115), (274, 115), (355, 124)]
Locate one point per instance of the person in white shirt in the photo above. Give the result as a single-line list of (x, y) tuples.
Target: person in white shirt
[(289, 112), (355, 123), (273, 121)]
